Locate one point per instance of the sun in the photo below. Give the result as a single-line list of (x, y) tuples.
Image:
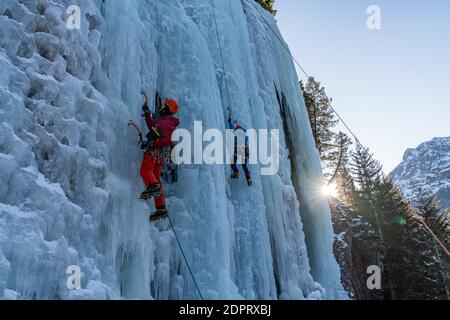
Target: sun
[(330, 190)]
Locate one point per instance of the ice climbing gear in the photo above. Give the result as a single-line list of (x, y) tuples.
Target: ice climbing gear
[(166, 125), (153, 134), (138, 129), (170, 172), (152, 189), (145, 97), (235, 175), (145, 109), (159, 214), (148, 197), (158, 103)]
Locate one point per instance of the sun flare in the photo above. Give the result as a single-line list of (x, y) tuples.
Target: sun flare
[(330, 190)]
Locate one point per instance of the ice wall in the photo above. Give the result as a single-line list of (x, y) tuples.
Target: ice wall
[(69, 165)]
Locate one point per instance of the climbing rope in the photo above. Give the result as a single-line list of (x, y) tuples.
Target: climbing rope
[(221, 58), (413, 214), (185, 259)]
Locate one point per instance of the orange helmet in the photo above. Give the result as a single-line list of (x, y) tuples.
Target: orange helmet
[(171, 105)]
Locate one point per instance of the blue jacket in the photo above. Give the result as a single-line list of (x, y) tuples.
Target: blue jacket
[(234, 125)]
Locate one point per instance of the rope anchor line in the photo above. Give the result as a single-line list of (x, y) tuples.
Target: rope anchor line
[(185, 259), (222, 60)]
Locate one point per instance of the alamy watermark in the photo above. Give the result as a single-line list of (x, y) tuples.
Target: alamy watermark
[(374, 281), (237, 147), (374, 19), (74, 278), (73, 21)]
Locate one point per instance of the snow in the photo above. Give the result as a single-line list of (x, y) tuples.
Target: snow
[(69, 164), (426, 167)]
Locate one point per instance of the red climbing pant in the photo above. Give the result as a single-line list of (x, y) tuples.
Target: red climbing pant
[(151, 174)]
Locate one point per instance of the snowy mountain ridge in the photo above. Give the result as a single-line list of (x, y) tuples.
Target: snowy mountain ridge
[(69, 165), (426, 167)]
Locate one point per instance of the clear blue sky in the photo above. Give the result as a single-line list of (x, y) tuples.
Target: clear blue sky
[(391, 85)]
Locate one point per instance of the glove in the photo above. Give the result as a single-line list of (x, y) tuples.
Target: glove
[(146, 109)]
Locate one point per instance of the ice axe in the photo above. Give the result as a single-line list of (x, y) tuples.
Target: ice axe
[(145, 100), (230, 115), (145, 96), (158, 103)]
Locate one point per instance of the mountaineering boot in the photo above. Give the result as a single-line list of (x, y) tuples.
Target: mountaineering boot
[(235, 175), (249, 181), (152, 189), (160, 213)]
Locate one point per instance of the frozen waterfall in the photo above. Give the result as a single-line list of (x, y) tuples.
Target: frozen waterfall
[(69, 165)]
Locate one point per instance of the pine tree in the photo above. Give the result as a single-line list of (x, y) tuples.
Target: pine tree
[(342, 177), (367, 174), (437, 220), (339, 156), (268, 5), (396, 229), (435, 216), (378, 201), (425, 277), (411, 267), (322, 120), (345, 186), (343, 143)]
